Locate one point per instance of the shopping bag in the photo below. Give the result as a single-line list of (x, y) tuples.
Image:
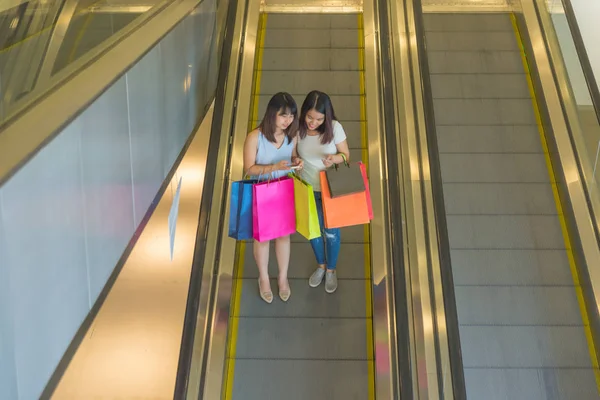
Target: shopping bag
[(345, 180), (273, 213), (240, 210), (348, 210), (307, 219)]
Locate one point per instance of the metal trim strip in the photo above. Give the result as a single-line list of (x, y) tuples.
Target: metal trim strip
[(310, 9), (457, 9)]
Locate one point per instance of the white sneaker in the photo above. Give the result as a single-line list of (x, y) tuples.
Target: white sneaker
[(317, 277), (330, 281)]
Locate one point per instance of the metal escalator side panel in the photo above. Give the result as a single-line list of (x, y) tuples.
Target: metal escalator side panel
[(390, 251), (448, 343), (191, 356), (210, 344), (395, 273), (240, 248)]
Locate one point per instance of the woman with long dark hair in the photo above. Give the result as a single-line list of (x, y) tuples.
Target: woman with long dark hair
[(270, 153), (321, 144)]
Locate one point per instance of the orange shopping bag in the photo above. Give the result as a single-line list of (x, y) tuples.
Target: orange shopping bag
[(349, 210)]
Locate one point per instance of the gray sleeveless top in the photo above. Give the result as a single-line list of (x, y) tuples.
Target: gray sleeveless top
[(267, 153)]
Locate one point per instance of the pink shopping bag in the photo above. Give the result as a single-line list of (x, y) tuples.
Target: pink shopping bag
[(273, 209)]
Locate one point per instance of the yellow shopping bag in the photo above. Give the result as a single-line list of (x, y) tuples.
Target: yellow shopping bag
[(307, 219)]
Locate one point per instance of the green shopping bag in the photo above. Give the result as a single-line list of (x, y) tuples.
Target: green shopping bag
[(307, 219)]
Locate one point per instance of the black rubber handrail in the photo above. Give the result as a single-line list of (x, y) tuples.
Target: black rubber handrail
[(452, 326)]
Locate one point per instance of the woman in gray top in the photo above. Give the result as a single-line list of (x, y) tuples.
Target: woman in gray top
[(321, 144)]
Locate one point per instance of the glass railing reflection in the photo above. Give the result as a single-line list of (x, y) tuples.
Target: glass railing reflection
[(579, 90), (40, 39)]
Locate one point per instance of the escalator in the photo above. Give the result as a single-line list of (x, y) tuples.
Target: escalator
[(513, 294), (522, 321), (317, 345), (503, 316)]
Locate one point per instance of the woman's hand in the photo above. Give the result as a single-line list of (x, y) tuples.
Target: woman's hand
[(298, 163), (329, 160), (282, 165)]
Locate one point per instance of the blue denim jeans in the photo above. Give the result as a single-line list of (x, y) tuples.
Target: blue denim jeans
[(326, 247)]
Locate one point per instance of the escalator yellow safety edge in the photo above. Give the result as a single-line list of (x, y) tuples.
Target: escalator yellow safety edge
[(367, 231)]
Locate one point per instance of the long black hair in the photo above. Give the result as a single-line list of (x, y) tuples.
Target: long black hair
[(321, 103), (280, 103)]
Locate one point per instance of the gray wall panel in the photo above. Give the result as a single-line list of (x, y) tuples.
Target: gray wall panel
[(106, 167), (185, 64), (44, 222), (8, 377), (172, 53), (147, 125), (202, 25)]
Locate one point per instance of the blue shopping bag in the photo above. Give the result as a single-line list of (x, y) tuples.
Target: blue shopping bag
[(240, 210)]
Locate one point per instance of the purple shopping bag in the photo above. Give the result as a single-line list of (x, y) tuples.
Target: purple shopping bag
[(273, 211)]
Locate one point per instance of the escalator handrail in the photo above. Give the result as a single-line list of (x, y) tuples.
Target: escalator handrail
[(30, 129), (452, 325), (405, 364)]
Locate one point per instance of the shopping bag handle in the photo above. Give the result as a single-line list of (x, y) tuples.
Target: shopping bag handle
[(260, 174), (270, 177), (345, 161)]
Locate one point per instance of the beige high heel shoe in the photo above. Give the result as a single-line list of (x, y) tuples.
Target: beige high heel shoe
[(285, 294), (265, 295)]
